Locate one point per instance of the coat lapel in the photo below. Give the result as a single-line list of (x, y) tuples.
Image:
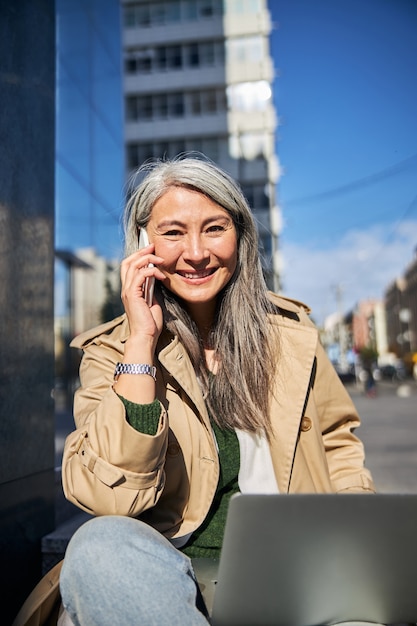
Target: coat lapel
[(296, 348), (177, 362)]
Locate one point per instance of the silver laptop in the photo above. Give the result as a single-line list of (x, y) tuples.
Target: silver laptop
[(304, 560)]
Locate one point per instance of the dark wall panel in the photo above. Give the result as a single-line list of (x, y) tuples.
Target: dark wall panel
[(27, 155)]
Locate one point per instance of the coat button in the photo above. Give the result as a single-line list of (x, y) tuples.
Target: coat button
[(306, 424), (173, 449)]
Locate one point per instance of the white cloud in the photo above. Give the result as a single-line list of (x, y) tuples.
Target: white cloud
[(362, 263)]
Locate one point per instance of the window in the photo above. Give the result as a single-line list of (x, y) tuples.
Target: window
[(189, 8), (131, 108), (172, 11), (254, 6), (145, 152), (195, 145), (130, 65), (139, 61), (176, 105), (144, 65), (256, 196), (245, 49), (144, 104), (160, 106), (206, 101), (207, 53), (207, 145), (210, 101), (192, 55), (132, 156), (155, 13), (161, 58), (239, 7), (266, 246), (168, 57), (195, 103), (129, 17), (161, 149), (210, 148), (208, 8), (176, 147), (143, 17), (174, 57)]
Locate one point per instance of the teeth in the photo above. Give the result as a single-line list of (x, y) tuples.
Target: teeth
[(194, 275)]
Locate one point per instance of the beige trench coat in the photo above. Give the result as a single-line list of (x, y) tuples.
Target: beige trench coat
[(169, 479)]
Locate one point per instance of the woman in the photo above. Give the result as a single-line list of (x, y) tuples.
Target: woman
[(218, 386)]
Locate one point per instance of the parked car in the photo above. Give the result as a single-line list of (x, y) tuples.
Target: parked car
[(392, 372), (346, 374)]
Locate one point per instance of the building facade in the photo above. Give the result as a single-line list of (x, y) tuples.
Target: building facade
[(401, 311), (93, 285), (198, 77), (369, 327), (89, 126)]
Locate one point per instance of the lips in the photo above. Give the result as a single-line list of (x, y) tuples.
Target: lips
[(196, 275)]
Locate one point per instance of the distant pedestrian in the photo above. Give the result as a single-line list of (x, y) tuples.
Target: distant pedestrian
[(370, 383)]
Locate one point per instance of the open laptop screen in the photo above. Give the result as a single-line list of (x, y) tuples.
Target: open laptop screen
[(300, 560)]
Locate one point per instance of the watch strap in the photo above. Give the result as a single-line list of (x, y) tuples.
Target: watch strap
[(134, 368)]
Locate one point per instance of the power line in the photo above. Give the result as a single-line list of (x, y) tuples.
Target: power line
[(410, 208), (360, 183)]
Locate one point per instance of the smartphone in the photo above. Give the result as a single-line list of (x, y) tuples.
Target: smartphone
[(149, 282)]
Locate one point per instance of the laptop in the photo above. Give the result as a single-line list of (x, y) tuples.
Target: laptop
[(305, 560)]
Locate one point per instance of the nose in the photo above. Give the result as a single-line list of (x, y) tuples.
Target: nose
[(195, 249)]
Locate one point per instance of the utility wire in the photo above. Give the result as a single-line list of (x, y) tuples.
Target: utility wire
[(410, 208), (366, 181)]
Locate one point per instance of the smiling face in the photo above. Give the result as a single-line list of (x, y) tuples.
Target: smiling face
[(198, 242)]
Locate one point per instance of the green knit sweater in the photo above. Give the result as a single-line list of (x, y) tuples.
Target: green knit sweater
[(207, 540)]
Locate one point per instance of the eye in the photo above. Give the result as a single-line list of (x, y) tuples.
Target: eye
[(215, 228), (172, 233)]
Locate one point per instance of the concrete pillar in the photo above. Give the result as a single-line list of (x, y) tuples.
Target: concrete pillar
[(27, 156)]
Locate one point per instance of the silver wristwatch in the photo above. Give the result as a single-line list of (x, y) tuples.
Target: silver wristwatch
[(134, 368)]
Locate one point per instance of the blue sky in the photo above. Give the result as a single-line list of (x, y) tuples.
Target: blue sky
[(346, 95)]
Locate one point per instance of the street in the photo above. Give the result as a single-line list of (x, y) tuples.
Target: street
[(389, 433)]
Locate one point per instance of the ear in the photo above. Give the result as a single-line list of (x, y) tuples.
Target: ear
[(143, 238)]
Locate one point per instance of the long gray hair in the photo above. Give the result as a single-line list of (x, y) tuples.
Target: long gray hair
[(238, 396)]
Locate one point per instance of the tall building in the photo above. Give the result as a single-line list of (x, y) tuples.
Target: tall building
[(369, 328), (89, 126), (89, 165), (198, 77), (401, 307)]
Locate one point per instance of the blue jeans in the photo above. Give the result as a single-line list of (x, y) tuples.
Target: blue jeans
[(120, 571)]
